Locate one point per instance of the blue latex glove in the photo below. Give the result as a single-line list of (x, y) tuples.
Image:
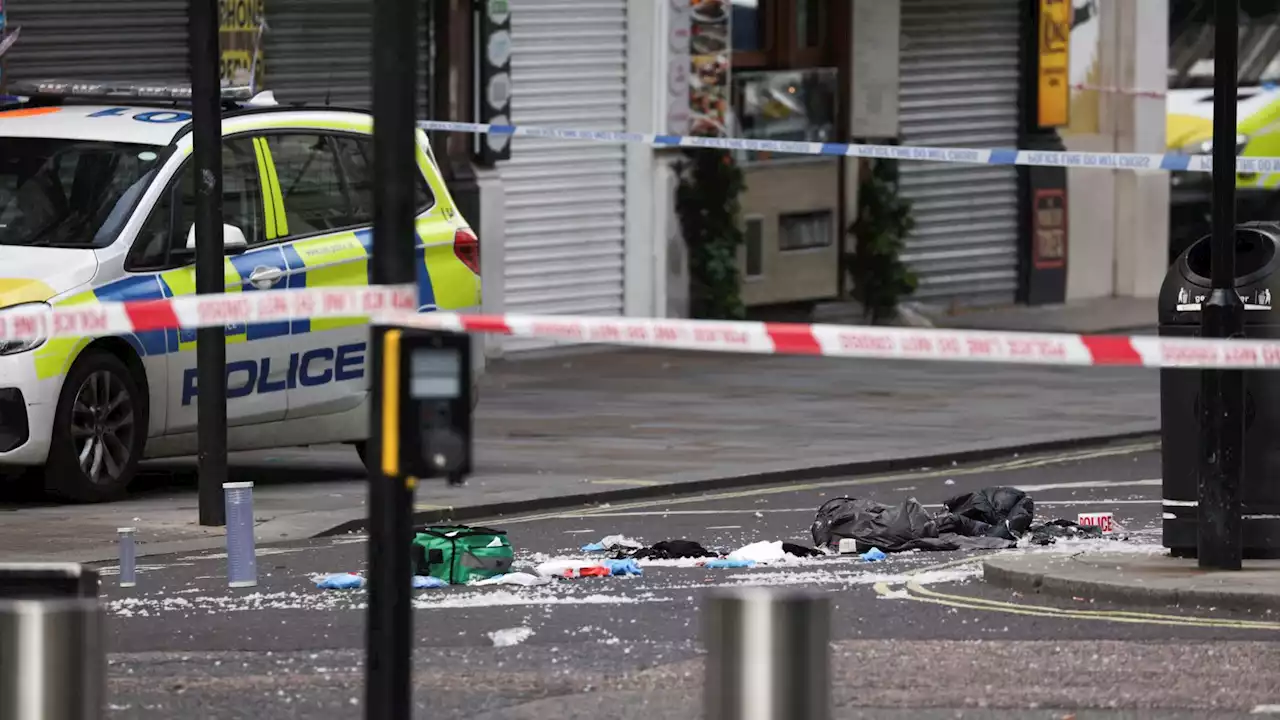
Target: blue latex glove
[(873, 555), (722, 564), (624, 567), (426, 582), (340, 581), (593, 547)]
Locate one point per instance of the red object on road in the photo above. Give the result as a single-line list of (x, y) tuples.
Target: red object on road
[(587, 572), (1102, 521)]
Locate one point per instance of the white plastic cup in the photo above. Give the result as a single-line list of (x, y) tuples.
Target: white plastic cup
[(128, 557), (242, 561)]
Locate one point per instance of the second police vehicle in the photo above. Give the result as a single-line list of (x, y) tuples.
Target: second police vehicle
[(97, 205)]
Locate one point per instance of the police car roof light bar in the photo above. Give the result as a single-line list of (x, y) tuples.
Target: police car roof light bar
[(64, 89)]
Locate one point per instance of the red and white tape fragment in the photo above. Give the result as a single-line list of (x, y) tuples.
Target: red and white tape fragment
[(196, 311), (871, 342), (398, 305)]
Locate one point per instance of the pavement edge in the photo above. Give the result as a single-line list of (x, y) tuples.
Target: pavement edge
[(746, 480), (1028, 575)]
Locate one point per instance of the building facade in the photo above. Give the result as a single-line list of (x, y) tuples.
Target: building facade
[(590, 228)]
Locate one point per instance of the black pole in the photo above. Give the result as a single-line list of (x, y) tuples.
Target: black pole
[(1222, 408), (388, 690), (211, 343), (439, 92)]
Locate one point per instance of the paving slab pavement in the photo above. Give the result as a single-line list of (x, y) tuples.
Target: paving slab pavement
[(1098, 315), (562, 430), (1159, 580)]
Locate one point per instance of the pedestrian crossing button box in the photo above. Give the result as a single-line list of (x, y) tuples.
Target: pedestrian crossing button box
[(436, 424)]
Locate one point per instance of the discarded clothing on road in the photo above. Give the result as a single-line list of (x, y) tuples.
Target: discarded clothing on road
[(673, 550), (1001, 512), (1049, 533), (899, 528)]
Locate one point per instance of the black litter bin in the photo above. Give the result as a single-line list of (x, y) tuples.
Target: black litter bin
[(1185, 287), (43, 581)]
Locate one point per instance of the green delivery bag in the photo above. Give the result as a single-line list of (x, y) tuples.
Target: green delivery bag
[(456, 554)]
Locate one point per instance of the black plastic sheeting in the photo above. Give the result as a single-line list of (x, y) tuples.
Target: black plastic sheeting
[(989, 519)]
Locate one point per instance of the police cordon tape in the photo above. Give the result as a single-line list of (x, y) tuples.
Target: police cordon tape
[(1173, 162), (398, 306)]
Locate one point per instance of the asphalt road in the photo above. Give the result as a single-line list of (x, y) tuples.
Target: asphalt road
[(917, 635)]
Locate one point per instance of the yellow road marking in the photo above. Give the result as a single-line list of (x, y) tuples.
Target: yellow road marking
[(919, 593)]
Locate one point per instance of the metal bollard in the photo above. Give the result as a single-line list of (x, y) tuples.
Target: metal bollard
[(768, 656), (47, 580), (52, 660), (128, 558), (242, 561)]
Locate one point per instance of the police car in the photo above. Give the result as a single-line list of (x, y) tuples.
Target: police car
[(97, 204)]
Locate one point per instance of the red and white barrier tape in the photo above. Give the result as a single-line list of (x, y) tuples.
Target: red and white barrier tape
[(1155, 94), (397, 305)]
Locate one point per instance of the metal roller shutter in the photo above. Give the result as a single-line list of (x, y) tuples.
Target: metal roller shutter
[(959, 87), (318, 49), (143, 40), (565, 203)]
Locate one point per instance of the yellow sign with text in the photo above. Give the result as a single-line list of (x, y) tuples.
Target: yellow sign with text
[(1054, 97), (240, 26)]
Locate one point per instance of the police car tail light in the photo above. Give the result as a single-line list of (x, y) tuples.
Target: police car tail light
[(467, 247)]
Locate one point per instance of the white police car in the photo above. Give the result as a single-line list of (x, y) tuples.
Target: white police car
[(97, 204)]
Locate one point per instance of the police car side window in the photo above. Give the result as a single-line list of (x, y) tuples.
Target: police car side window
[(356, 155), (311, 184), (173, 215)]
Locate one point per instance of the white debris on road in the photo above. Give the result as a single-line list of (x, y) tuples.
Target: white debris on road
[(760, 553), (503, 598), (510, 636)]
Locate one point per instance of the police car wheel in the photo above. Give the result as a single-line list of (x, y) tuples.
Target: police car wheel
[(100, 427)]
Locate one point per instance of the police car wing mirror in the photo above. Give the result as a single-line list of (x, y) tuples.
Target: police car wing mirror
[(233, 240)]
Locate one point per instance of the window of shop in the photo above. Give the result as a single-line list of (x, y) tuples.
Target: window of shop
[(784, 34)]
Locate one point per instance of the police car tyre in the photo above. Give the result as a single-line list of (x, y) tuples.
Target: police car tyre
[(99, 433)]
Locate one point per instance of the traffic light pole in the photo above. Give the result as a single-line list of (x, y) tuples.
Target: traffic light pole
[(389, 651), (211, 343), (1219, 542)]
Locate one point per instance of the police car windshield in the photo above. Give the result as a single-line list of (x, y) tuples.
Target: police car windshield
[(69, 193)]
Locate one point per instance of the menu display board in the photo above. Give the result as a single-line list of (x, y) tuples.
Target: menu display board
[(711, 51), (679, 67), (493, 75)]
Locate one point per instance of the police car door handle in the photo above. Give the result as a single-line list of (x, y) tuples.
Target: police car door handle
[(265, 277)]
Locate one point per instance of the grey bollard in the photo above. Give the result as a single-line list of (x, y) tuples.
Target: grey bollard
[(47, 580), (52, 660), (768, 655)]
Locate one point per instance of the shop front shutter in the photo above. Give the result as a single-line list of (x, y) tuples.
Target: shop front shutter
[(318, 50), (565, 203), (132, 40), (959, 88)]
